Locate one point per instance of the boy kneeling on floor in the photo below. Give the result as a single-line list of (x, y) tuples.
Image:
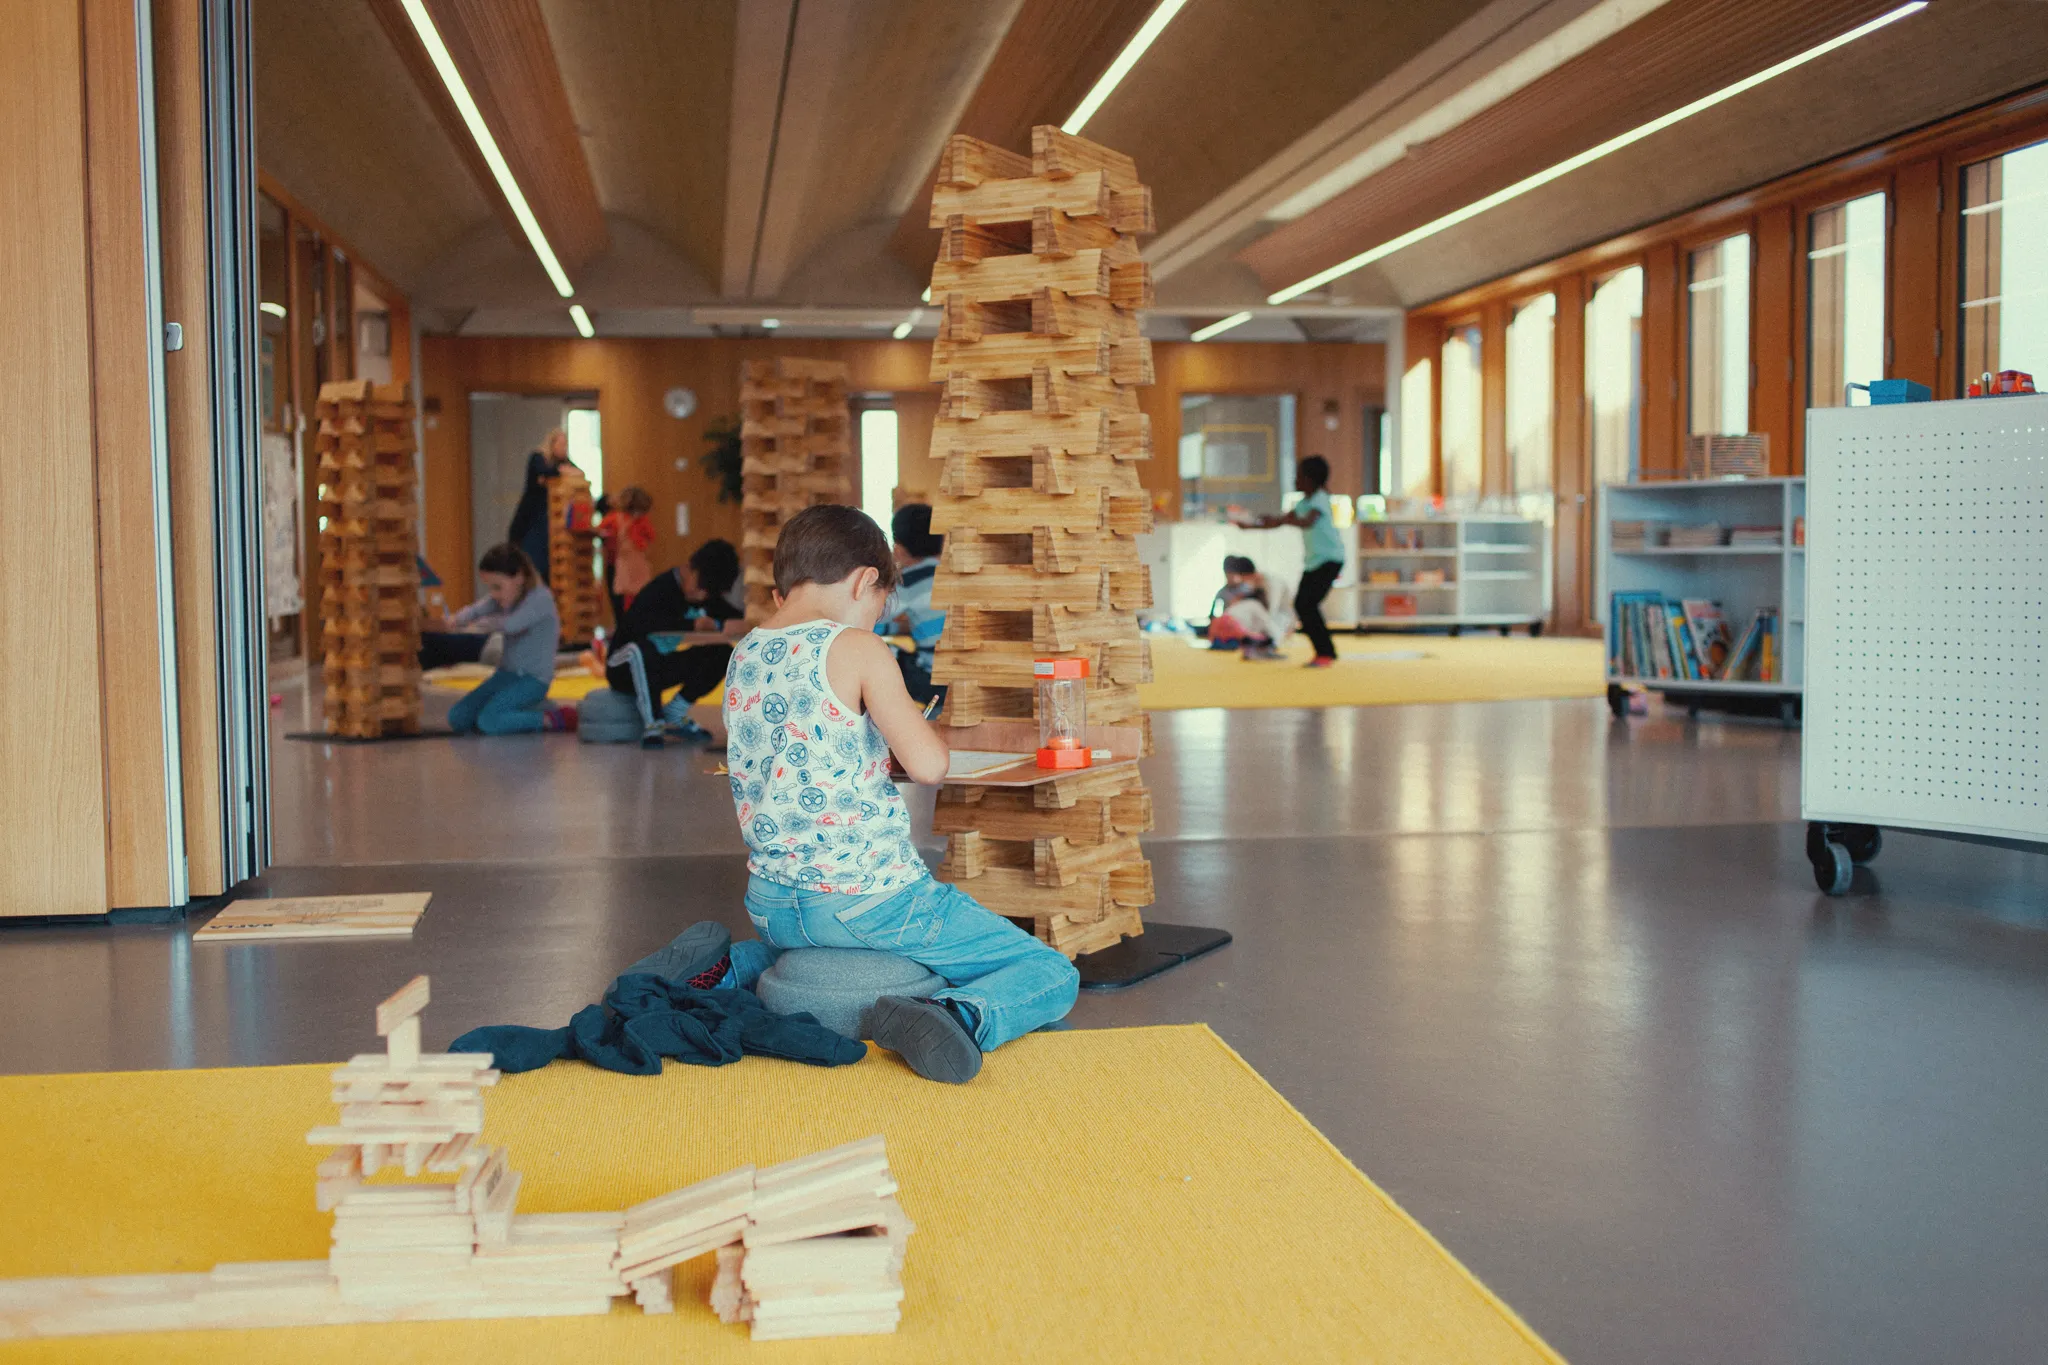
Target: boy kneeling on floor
[(814, 704)]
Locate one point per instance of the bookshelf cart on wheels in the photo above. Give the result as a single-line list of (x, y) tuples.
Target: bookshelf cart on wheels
[(1925, 709), (1456, 572), (1729, 542)]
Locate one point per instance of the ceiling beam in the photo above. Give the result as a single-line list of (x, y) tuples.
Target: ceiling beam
[(803, 133), (760, 56), (1673, 55), (1053, 54), (507, 60)]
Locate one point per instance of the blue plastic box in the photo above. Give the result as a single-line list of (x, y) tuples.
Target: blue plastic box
[(1884, 391)]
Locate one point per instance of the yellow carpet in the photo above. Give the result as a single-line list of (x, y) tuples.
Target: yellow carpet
[(1116, 1195), (567, 686), (1377, 670)]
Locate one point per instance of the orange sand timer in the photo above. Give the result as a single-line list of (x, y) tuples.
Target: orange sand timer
[(1062, 712)]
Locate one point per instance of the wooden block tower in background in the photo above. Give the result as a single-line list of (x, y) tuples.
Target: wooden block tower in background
[(796, 452), (572, 555), (369, 559), (1041, 354)]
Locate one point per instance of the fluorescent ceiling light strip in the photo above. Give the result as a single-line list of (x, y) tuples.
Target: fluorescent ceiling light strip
[(1121, 67), (581, 319), (437, 51), (1219, 328), (275, 310), (1587, 157)]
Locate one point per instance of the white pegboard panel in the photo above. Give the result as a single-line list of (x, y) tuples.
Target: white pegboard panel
[(1927, 616)]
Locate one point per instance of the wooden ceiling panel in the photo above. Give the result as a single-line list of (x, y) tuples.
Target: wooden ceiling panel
[(1676, 54), (342, 126), (1870, 91), (1228, 85), (874, 87), (650, 82), (1050, 56), (507, 60)]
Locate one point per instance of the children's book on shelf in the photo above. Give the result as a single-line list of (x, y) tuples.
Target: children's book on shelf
[(1709, 634), (1755, 656)]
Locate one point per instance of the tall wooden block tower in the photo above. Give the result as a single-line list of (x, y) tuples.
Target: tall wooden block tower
[(572, 555), (369, 559), (1039, 434), (795, 452)]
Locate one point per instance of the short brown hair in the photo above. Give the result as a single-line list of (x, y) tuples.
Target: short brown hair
[(825, 544), (634, 501)]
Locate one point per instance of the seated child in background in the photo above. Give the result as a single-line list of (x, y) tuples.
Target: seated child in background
[(688, 598), (1241, 616), (814, 705), (626, 533), (917, 560), (516, 604)]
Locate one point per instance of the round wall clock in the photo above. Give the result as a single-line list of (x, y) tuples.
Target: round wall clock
[(679, 402)]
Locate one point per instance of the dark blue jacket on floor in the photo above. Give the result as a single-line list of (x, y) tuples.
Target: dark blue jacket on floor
[(645, 1018)]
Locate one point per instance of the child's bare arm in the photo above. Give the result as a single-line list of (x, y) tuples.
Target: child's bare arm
[(869, 665)]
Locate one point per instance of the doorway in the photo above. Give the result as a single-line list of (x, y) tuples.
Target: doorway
[(504, 429)]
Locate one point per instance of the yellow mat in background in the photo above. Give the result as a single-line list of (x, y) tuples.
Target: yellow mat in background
[(1376, 670), (1115, 1195)]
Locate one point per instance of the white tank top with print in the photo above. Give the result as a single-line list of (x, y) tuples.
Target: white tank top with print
[(810, 774)]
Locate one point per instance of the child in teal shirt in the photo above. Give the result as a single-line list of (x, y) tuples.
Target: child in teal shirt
[(1324, 559)]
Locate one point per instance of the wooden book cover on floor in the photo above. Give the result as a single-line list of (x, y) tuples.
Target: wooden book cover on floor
[(383, 916)]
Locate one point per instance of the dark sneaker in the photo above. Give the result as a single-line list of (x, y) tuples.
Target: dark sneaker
[(688, 731), (652, 737), (928, 1037)]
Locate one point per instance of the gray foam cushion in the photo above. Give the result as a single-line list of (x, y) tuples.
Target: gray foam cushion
[(607, 717), (839, 985)]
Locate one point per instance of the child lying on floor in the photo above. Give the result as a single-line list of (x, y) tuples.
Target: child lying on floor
[(814, 704)]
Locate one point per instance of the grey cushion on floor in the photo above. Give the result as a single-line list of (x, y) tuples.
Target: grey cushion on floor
[(839, 984), (607, 717)]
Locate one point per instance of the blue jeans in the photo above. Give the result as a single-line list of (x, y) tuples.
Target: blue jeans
[(505, 703), (1014, 982)]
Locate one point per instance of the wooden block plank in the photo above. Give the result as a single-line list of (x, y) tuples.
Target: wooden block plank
[(404, 1042), (1060, 862), (1021, 277), (968, 161), (1020, 511), (1057, 235), (1004, 588), (1130, 284), (1058, 155), (1014, 355), (1014, 815), (964, 241), (1015, 199)]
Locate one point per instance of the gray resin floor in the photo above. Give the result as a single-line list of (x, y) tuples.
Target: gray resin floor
[(1562, 986)]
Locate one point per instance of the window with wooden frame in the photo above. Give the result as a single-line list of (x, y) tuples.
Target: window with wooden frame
[(2004, 302), (1531, 370), (1463, 416), (1845, 298), (1614, 377), (1717, 337)]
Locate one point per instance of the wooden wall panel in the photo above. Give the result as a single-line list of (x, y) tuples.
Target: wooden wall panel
[(642, 443), (139, 837), (1663, 355), (1571, 463), (1771, 340), (1915, 315), (53, 852), (181, 211), (1493, 398)]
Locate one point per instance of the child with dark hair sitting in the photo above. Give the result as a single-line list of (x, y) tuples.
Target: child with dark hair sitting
[(917, 562), (814, 706), (1241, 615), (646, 659)]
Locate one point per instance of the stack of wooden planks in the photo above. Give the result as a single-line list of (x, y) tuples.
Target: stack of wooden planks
[(572, 556), (822, 1250), (369, 559), (815, 1245), (795, 452), (1041, 354)]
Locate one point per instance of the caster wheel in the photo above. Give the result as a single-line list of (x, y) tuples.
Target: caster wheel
[(1504, 631), (1535, 630), (1863, 841), (1833, 870), (1788, 713), (1456, 631), (1617, 700)]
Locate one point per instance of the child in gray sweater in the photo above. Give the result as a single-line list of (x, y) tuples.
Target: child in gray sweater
[(512, 700)]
